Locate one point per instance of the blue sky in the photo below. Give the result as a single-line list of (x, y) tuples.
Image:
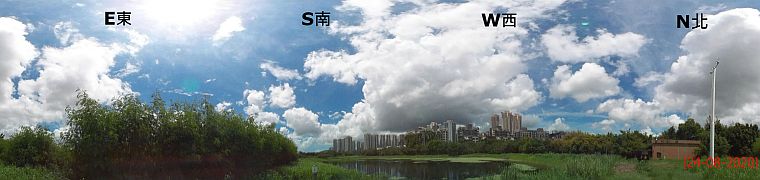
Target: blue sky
[(386, 66)]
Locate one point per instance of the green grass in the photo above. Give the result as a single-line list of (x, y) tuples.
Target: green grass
[(302, 170), (12, 172)]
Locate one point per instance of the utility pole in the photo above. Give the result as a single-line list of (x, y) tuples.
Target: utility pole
[(712, 116)]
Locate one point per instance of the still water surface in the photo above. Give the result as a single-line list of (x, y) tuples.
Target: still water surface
[(425, 169)]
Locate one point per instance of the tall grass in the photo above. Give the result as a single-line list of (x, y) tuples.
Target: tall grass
[(302, 170), (572, 166), (22, 173), (562, 166)]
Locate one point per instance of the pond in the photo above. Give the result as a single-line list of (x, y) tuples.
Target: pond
[(414, 169)]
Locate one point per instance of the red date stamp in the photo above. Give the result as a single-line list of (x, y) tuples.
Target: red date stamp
[(729, 162)]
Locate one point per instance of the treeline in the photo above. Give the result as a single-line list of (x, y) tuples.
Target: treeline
[(130, 139), (737, 140), (633, 144)]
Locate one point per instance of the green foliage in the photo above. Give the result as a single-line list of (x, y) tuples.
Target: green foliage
[(131, 139), (303, 170), (690, 130), (741, 137), (30, 147), (12, 172), (756, 147)]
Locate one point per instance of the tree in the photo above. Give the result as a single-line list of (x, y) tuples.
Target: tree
[(633, 143), (690, 130), (30, 147), (670, 133), (741, 137), (129, 139), (756, 146)]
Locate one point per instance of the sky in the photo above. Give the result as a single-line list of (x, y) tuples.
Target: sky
[(387, 66)]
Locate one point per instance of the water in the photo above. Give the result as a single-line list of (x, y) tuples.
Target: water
[(425, 169)]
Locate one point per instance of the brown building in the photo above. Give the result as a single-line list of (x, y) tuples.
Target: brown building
[(511, 122), (495, 122), (674, 149)]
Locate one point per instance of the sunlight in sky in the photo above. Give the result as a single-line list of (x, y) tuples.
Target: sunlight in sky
[(180, 12)]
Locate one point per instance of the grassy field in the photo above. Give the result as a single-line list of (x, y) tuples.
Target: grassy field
[(302, 170), (571, 166), (12, 172)]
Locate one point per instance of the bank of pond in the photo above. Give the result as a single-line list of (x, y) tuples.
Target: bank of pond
[(500, 166)]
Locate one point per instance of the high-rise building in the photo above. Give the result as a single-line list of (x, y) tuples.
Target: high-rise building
[(506, 120), (451, 131), (344, 145), (511, 122), (379, 141), (495, 122), (516, 122)]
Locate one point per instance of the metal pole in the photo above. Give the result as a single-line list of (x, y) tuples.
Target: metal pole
[(712, 116)]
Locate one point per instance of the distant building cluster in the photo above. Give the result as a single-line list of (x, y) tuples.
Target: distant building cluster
[(371, 141), (506, 126), (509, 126), (380, 141)]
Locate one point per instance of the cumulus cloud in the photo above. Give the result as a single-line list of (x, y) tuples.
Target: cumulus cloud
[(255, 108), (267, 118), (222, 106), (84, 64), (227, 29), (303, 121), (558, 125), (732, 36), (648, 114), (591, 81), (279, 72), (282, 96), (430, 63), (562, 44), (15, 54), (604, 125), (255, 100)]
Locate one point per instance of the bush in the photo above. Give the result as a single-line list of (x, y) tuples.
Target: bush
[(30, 147), (134, 140)]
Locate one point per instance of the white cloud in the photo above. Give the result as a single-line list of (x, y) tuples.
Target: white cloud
[(222, 106), (430, 63), (227, 29), (282, 96), (66, 33), (648, 114), (605, 125), (303, 121), (267, 118), (256, 103), (85, 64), (129, 68), (279, 72), (558, 125), (621, 68), (732, 36), (564, 45), (255, 100), (591, 81), (15, 54)]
